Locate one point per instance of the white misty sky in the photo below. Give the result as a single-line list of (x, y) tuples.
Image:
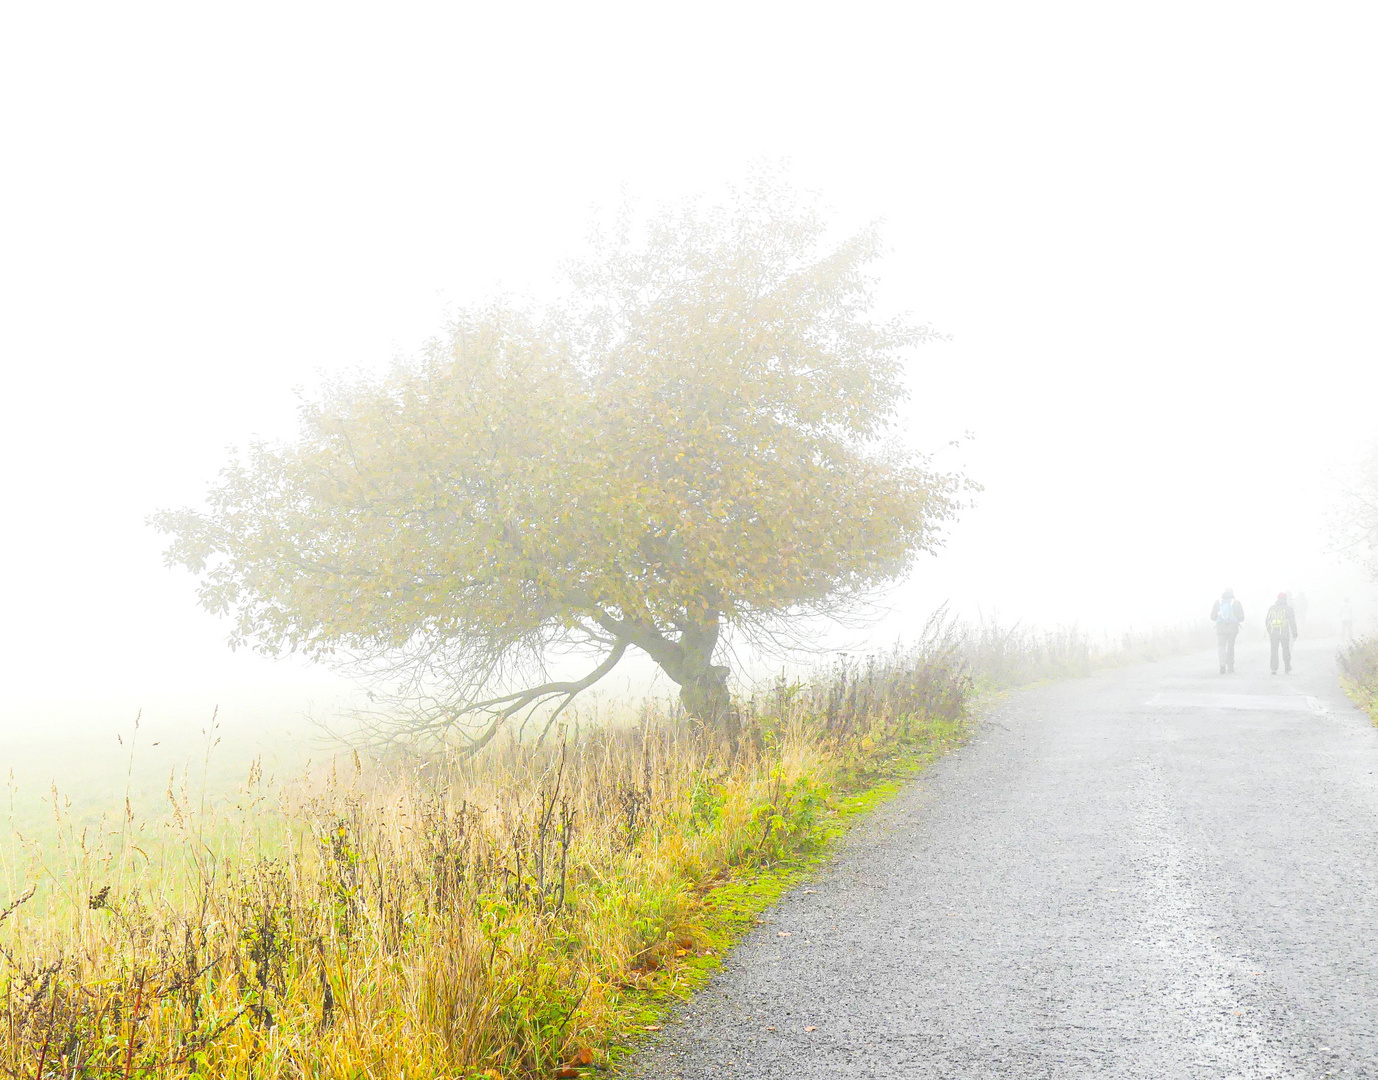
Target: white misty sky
[(1149, 229)]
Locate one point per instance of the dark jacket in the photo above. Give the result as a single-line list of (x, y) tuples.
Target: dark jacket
[(1226, 624), (1283, 613)]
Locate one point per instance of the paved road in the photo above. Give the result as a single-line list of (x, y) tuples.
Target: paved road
[(1156, 872)]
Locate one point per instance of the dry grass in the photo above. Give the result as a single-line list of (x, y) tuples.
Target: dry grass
[(506, 915), (1359, 674), (511, 915), (1001, 657)]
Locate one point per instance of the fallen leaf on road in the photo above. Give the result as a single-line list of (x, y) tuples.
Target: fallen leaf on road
[(770, 1028), (582, 1056), (652, 1027), (567, 1074), (810, 1029), (784, 933)]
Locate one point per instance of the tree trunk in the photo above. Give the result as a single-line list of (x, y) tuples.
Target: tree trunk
[(689, 662), (705, 697)]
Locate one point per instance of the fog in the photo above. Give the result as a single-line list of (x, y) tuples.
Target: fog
[(1149, 234)]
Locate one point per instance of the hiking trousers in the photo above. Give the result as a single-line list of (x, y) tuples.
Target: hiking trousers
[(1224, 640), (1280, 640)]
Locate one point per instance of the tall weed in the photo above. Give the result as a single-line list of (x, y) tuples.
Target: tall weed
[(1359, 674), (1000, 657), (499, 915), (505, 914)]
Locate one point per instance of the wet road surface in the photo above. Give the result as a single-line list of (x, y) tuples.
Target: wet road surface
[(1155, 872)]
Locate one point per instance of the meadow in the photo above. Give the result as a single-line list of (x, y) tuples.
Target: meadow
[(527, 912)]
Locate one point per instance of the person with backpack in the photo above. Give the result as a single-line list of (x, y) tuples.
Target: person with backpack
[(1281, 624), (1227, 613)]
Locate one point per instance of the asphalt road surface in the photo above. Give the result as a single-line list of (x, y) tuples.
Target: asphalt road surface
[(1155, 872)]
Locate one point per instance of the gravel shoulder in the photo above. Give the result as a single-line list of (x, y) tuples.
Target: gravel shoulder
[(1155, 872)]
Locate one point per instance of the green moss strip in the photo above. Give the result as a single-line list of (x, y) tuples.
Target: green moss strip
[(732, 908)]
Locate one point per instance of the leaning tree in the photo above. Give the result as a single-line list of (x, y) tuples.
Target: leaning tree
[(691, 441)]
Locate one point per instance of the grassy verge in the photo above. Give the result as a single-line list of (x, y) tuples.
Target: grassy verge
[(527, 913), (1359, 674), (732, 907), (1001, 657), (519, 914)]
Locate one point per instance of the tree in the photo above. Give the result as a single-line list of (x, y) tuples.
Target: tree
[(691, 440), (1356, 524)]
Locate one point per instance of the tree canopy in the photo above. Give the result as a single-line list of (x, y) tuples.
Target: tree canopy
[(1356, 525), (691, 439)]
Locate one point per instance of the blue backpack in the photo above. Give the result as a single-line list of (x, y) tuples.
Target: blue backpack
[(1226, 615)]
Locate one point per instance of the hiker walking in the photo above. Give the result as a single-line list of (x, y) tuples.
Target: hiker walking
[(1227, 613), (1281, 623)]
